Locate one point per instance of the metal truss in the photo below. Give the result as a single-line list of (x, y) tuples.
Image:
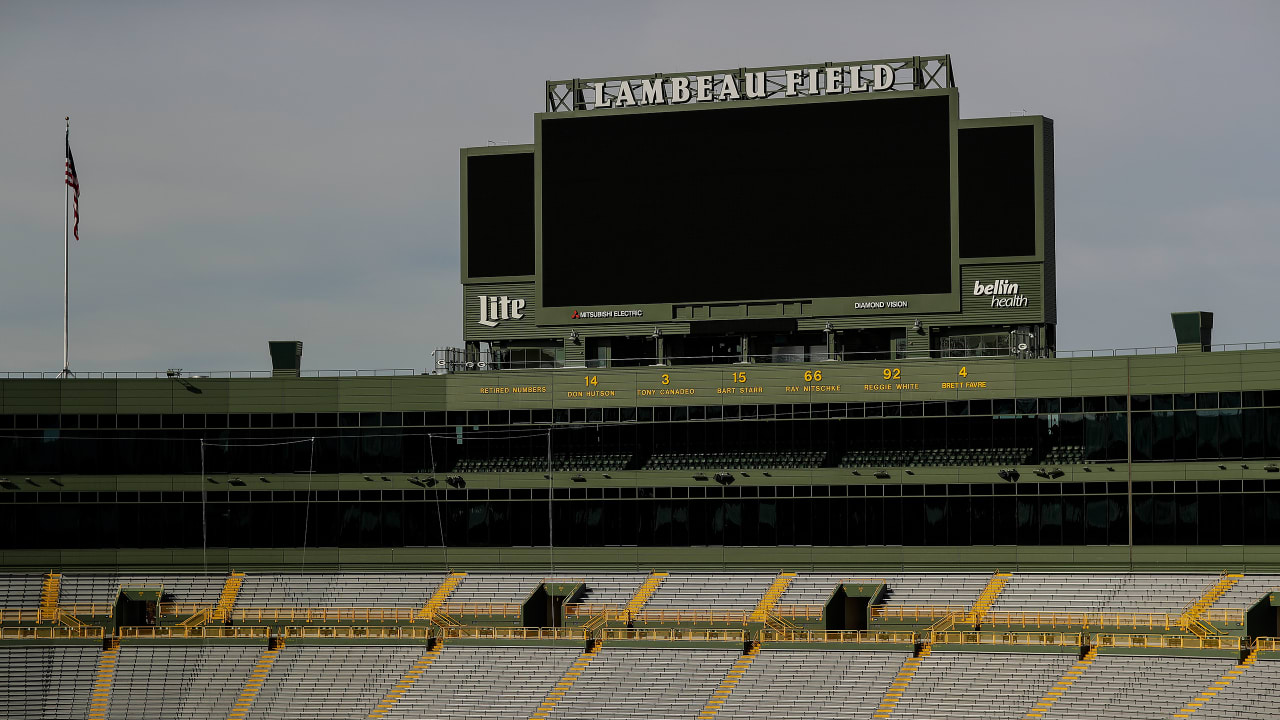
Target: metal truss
[(913, 73)]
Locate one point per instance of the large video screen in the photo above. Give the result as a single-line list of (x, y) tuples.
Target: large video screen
[(788, 201), (997, 191), (500, 215)]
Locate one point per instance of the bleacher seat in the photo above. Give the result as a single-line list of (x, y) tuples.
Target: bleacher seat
[(1124, 687), (488, 682), (338, 682), (46, 683), (626, 683), (720, 591), (806, 684), (980, 685), (179, 682)]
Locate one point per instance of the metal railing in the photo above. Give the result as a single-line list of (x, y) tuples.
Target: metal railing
[(20, 616), (512, 633), (693, 615), (838, 636), (358, 632), (89, 609), (591, 609), (489, 609), (987, 637), (798, 612), (674, 634), (1169, 642), (1268, 644), (207, 632), (325, 614), (51, 632), (916, 613), (641, 361)]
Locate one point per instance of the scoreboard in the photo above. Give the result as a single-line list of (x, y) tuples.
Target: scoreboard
[(843, 196)]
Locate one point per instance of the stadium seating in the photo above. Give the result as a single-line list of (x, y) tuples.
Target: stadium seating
[(102, 588), (1247, 591), (20, 591), (179, 682), (331, 681), (1124, 687), (627, 683), (745, 460), (982, 685), (610, 589), (490, 682), (494, 588), (1101, 593), (722, 591), (337, 590), (559, 463), (50, 683), (812, 684), (1252, 695)]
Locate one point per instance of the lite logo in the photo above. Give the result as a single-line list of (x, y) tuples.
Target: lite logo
[(495, 308), (1004, 294)]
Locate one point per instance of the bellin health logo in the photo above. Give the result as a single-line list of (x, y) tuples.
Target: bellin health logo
[(1003, 293)]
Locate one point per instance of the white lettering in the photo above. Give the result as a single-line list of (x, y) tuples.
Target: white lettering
[(484, 315), (679, 89), (755, 85), (793, 80), (651, 91), (835, 80), (813, 81), (602, 100), (859, 82), (704, 88), (495, 308), (625, 97), (728, 88), (883, 77)]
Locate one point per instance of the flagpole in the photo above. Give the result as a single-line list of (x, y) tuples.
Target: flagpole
[(66, 254)]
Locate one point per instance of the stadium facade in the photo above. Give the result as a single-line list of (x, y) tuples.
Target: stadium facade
[(759, 377)]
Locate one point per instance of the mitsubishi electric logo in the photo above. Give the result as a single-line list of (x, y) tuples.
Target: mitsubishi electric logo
[(1004, 294), (494, 308), (606, 314)]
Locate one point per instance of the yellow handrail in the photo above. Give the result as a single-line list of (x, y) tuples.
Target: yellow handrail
[(491, 609), (94, 609), (986, 637), (52, 632), (838, 636), (693, 615), (793, 612), (360, 632), (1191, 642), (593, 609), (1268, 644), (169, 632), (916, 612), (325, 614), (513, 633), (20, 616), (682, 634)]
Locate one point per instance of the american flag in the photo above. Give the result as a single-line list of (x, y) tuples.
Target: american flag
[(74, 182)]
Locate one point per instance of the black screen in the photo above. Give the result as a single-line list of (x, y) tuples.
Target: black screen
[(829, 199), (997, 192), (500, 215)]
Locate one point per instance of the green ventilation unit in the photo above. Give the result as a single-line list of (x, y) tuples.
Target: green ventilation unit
[(1194, 330)]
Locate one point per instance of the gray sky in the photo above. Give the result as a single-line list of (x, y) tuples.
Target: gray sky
[(256, 171)]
